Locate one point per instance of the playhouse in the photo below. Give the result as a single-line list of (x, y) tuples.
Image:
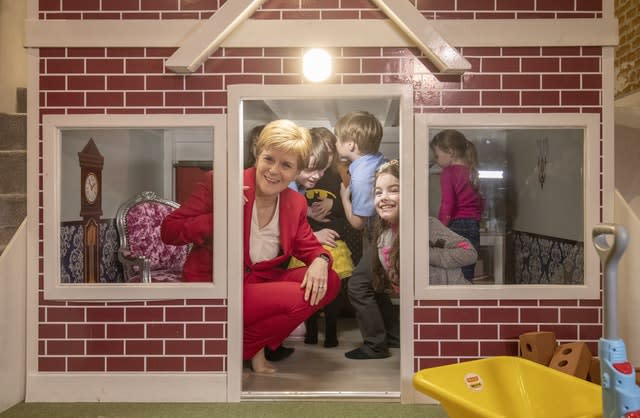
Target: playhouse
[(134, 94)]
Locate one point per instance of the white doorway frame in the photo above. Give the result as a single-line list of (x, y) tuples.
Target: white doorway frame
[(236, 95)]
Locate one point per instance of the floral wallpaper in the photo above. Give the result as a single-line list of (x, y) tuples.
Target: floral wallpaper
[(72, 258), (546, 260)]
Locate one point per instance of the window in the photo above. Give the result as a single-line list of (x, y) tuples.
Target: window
[(95, 166), (538, 182)]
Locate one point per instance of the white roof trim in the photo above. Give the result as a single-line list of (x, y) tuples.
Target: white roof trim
[(197, 47), (420, 30), (380, 33), (208, 37)]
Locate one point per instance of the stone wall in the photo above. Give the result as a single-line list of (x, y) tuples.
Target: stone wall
[(627, 61)]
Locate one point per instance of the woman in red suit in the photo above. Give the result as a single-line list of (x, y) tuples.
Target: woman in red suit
[(276, 300)]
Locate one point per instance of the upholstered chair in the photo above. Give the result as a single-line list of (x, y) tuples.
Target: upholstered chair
[(144, 257)]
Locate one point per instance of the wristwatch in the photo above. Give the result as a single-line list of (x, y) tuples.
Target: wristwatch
[(325, 257)]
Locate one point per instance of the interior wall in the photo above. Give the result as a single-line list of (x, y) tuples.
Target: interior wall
[(627, 151), (557, 208), (13, 321), (133, 162), (13, 58)]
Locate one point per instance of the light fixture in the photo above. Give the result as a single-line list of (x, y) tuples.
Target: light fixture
[(490, 174), (316, 65)]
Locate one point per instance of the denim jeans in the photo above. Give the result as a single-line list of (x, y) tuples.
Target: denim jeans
[(469, 229)]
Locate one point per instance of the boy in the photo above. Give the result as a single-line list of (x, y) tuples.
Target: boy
[(359, 135)]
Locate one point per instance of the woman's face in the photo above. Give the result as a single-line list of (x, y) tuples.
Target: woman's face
[(387, 198), (309, 178), (443, 159), (274, 171)]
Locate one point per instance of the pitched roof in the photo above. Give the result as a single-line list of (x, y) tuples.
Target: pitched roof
[(208, 37)]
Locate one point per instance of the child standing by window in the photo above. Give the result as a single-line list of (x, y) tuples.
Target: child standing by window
[(460, 203)]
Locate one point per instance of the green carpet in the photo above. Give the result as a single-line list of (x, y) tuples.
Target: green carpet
[(316, 409)]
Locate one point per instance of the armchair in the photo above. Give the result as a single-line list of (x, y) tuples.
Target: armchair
[(144, 257)]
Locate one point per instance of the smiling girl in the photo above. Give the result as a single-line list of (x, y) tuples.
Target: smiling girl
[(386, 267)]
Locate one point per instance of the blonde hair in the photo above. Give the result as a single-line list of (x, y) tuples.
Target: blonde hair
[(284, 135), (323, 148), (454, 142), (362, 128)]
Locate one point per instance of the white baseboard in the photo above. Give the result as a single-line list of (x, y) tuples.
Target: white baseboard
[(126, 387)]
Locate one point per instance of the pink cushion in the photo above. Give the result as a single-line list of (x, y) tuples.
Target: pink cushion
[(143, 226)]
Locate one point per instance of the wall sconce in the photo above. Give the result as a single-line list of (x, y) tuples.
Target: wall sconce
[(543, 159), (316, 65)]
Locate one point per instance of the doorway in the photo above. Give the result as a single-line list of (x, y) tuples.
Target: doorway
[(313, 371)]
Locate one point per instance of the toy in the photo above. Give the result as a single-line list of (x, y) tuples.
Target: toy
[(506, 387), (620, 395), (538, 346)]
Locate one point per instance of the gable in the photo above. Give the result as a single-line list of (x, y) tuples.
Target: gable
[(208, 37)]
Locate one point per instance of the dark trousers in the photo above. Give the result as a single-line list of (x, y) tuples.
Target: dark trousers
[(469, 229), (377, 319), (331, 313)]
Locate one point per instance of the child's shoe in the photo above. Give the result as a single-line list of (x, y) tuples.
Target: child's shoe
[(311, 335)]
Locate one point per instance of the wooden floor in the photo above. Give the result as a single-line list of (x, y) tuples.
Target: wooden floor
[(315, 371)]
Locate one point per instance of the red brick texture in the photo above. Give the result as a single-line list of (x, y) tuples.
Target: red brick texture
[(190, 335), (317, 9)]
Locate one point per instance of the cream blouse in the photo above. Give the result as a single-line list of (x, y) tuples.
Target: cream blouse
[(264, 243)]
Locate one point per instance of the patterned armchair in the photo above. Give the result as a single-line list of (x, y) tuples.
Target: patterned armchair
[(144, 257)]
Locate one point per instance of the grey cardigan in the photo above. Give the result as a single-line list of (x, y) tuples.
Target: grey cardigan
[(448, 252)]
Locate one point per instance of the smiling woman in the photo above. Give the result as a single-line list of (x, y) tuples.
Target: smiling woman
[(276, 300)]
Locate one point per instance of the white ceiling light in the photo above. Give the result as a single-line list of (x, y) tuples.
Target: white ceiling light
[(316, 65), (490, 174)]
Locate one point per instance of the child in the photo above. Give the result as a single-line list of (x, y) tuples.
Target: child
[(460, 203), (359, 135), (250, 144), (386, 266), (320, 184), (448, 251)]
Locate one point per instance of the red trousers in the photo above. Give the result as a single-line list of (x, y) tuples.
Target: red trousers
[(273, 309)]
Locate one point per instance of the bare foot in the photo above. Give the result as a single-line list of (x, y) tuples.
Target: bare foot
[(259, 364)]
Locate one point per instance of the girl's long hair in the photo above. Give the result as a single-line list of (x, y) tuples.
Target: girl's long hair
[(453, 141), (381, 282)]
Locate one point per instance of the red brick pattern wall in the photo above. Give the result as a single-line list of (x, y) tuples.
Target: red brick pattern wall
[(627, 60), (167, 336), (190, 335), (320, 9), (450, 331)]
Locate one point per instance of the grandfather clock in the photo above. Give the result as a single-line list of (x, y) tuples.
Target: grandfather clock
[(91, 163)]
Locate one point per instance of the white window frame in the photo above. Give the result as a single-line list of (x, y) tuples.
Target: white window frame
[(53, 125), (590, 124)]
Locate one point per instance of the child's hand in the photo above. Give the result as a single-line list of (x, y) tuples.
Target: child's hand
[(327, 236), (320, 210)]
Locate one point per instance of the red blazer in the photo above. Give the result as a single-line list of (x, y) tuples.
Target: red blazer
[(296, 236), (193, 223)]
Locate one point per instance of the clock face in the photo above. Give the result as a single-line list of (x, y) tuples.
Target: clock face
[(91, 187)]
